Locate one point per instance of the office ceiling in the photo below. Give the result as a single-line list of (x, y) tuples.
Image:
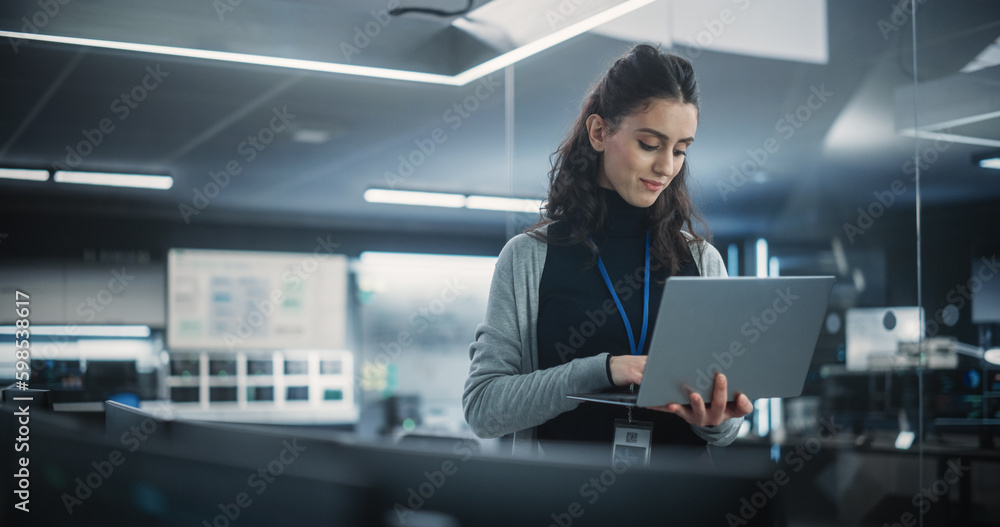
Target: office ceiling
[(345, 134)]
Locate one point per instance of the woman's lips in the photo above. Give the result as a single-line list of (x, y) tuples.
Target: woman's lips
[(652, 185)]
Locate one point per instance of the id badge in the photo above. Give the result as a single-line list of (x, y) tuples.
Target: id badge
[(632, 443)]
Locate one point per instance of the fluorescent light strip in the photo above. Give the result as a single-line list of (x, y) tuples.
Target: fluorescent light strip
[(454, 201), (548, 41), (408, 197), (993, 162), (961, 121), (951, 138), (461, 79), (244, 58), (81, 331), (989, 56), (115, 180), (24, 174), (504, 204)]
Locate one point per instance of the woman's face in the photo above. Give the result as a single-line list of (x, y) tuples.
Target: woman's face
[(646, 152)]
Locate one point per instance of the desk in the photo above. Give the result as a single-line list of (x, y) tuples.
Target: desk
[(877, 484)]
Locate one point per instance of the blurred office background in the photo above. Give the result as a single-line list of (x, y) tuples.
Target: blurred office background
[(330, 185)]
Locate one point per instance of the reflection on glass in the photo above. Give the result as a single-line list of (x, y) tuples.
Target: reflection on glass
[(954, 114)]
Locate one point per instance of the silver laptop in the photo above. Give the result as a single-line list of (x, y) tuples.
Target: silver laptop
[(759, 332)]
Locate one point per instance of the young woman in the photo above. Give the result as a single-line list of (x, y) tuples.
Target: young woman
[(617, 200)]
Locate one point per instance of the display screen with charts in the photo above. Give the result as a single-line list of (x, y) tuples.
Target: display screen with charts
[(233, 300)]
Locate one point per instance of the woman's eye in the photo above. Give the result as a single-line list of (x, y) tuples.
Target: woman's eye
[(646, 147), (680, 153)]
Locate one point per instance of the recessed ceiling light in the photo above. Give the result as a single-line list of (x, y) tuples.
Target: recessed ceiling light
[(244, 58), (115, 180), (454, 201), (409, 197), (988, 57), (83, 331), (504, 204), (24, 174), (520, 52), (507, 15), (990, 162), (310, 136)]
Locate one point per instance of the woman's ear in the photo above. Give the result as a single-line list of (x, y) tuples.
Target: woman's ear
[(597, 131)]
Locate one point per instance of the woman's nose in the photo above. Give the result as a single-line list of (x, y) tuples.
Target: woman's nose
[(664, 165)]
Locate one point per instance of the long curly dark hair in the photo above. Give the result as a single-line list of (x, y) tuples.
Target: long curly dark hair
[(638, 78)]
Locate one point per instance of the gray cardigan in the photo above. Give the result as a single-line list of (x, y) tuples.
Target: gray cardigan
[(505, 391)]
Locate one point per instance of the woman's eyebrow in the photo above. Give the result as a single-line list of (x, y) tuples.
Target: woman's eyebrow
[(664, 136)]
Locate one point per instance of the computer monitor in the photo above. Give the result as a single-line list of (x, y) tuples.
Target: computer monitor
[(76, 478), (873, 336)]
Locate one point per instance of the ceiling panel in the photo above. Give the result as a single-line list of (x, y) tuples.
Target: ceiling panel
[(194, 122)]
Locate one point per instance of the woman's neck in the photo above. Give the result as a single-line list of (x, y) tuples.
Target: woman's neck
[(621, 217)]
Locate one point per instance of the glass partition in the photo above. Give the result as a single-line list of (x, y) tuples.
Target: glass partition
[(952, 108)]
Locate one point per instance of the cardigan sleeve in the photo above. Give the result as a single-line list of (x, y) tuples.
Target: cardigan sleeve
[(499, 397)]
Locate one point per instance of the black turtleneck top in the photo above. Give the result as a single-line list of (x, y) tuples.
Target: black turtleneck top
[(577, 318)]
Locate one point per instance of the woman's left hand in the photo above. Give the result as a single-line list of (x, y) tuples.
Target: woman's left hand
[(718, 411)]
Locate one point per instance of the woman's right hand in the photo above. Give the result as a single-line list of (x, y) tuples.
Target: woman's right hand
[(627, 369)]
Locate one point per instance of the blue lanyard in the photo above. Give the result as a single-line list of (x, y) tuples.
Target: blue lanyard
[(636, 348)]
